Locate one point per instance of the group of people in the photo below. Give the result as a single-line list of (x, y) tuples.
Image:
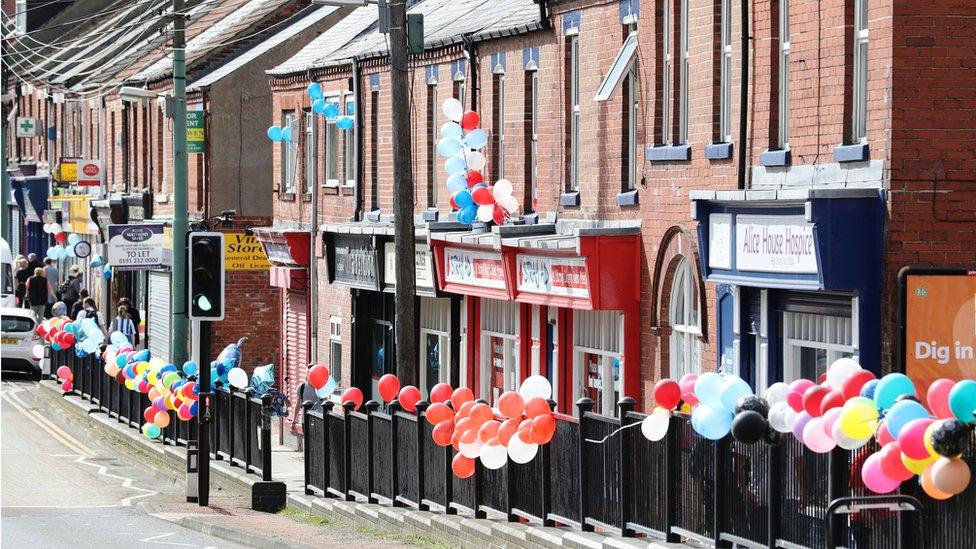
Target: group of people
[(39, 289)]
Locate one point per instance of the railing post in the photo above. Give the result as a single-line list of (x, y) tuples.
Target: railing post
[(546, 488), (774, 486), (371, 408), (421, 409), (626, 467), (248, 425), (306, 452), (478, 474), (393, 407), (347, 407), (265, 420), (449, 474), (232, 428), (327, 406), (672, 482), (215, 422), (836, 488), (720, 459), (584, 405)]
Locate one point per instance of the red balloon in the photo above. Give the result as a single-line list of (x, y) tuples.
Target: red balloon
[(851, 387), (536, 406), (440, 392), (489, 430), (149, 413), (482, 195), (465, 410), (463, 467), (937, 398), (543, 428), (470, 121), (354, 395), (667, 393), (892, 465), (463, 425), (480, 413), (318, 376), (388, 386), (795, 400), (499, 215), (511, 404), (408, 397), (475, 177), (443, 432), (67, 385), (40, 330), (833, 399), (61, 237), (439, 412), (120, 376), (812, 398), (507, 429), (460, 396)]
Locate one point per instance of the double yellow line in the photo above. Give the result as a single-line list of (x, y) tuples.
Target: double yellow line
[(56, 432)]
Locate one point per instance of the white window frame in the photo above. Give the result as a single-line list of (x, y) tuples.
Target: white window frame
[(500, 107), (783, 133), (611, 347), (793, 346), (683, 82), (331, 149), (666, 69), (859, 128), (633, 104), (335, 345), (685, 340), (444, 341), (533, 184), (725, 92), (289, 153), (434, 138), (575, 115), (349, 142), (311, 145)]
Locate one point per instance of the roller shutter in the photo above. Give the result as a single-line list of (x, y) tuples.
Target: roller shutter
[(294, 352), (158, 321)]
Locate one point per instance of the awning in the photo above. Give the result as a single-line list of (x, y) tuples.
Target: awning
[(31, 195), (289, 247), (619, 68)]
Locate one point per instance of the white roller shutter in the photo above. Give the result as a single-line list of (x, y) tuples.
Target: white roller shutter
[(158, 321)]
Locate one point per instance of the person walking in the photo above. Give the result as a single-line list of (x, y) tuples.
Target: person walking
[(71, 288), (37, 292), (33, 262), (134, 315), (123, 323), (51, 274), (22, 274), (80, 304), (90, 310)]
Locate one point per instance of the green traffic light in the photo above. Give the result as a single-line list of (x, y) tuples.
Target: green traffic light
[(203, 303)]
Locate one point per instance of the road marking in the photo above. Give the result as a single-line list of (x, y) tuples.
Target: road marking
[(56, 432), (156, 538), (126, 482)]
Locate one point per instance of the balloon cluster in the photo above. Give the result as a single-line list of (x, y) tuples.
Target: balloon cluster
[(226, 367), (667, 395), (320, 106), (461, 142), (66, 377), (65, 246), (61, 333)]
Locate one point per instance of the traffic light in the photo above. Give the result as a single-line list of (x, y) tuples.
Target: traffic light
[(206, 280)]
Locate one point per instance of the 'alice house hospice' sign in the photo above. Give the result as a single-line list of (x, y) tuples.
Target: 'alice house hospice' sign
[(132, 247)]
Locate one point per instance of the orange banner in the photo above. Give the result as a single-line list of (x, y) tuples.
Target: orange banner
[(940, 328)]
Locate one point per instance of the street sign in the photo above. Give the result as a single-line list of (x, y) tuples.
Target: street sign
[(90, 173), (244, 253), (135, 246), (194, 132), (82, 249), (26, 126)]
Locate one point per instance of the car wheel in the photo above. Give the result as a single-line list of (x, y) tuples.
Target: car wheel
[(36, 375)]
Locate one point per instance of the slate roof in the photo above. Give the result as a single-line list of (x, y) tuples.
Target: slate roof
[(354, 24)]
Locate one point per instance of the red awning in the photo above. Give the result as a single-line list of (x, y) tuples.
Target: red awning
[(285, 246)]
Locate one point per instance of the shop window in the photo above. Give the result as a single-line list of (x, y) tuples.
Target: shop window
[(499, 348), (435, 342), (288, 153), (335, 350), (349, 144), (331, 149), (684, 316), (811, 342), (598, 342), (310, 157)]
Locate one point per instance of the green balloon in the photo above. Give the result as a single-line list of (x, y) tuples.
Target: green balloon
[(153, 430), (962, 401)]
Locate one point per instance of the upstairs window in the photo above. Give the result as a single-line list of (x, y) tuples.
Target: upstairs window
[(310, 152), (725, 92), (859, 123), (572, 92), (289, 152), (783, 136), (331, 149)]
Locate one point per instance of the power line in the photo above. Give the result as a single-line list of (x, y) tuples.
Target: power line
[(79, 20)]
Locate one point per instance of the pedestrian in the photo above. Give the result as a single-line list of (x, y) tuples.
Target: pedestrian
[(59, 309), (80, 304), (123, 323), (22, 275), (33, 262), (90, 310), (71, 288), (51, 274), (134, 315), (37, 292)]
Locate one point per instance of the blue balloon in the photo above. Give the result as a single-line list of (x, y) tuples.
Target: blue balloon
[(467, 214), (867, 390), (318, 106), (449, 147), (143, 355), (286, 134), (457, 182), (327, 389), (73, 239), (190, 368), (345, 123), (107, 273), (463, 199), (274, 134), (52, 253), (733, 388), (456, 164), (314, 91), (962, 400), (889, 388), (452, 130), (120, 361), (476, 139), (330, 110), (96, 260), (901, 413), (708, 389), (711, 423), (194, 407)]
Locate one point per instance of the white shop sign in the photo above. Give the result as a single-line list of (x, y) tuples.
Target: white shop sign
[(474, 268), (720, 241), (424, 268), (774, 244), (561, 276), (135, 247)]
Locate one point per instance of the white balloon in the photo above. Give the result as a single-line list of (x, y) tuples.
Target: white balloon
[(486, 212), (501, 189), (476, 160), (839, 370), (453, 109), (777, 393), (237, 377), (472, 450), (494, 456), (520, 451), (654, 427), (452, 130), (535, 386), (778, 414), (55, 228), (510, 203)]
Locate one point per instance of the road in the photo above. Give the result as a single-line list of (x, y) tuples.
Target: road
[(60, 489)]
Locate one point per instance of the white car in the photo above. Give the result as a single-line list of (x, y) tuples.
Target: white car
[(17, 341)]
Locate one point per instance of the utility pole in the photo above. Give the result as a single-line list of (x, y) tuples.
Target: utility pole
[(403, 239), (5, 188), (178, 293)]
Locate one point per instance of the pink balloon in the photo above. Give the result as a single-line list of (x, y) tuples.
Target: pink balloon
[(687, 384), (938, 398), (801, 385), (795, 400), (911, 438), (874, 478), (800, 423), (882, 434), (815, 438), (829, 419)]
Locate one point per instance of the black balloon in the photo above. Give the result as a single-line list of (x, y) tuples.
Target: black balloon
[(774, 437), (749, 427), (950, 439), (754, 403)]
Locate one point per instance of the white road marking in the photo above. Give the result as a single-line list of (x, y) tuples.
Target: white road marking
[(156, 538)]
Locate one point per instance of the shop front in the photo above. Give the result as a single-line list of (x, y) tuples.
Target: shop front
[(799, 279), (30, 194)]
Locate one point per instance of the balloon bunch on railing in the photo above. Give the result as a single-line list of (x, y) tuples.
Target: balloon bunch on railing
[(320, 106), (473, 198), (66, 377), (168, 388), (226, 367), (321, 380), (846, 409), (61, 333)]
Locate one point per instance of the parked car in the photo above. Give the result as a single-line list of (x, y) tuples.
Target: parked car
[(17, 341)]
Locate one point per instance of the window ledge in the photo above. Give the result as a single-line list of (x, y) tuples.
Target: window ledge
[(776, 157), (306, 197), (431, 215), (851, 153), (628, 198), (347, 191), (329, 189), (668, 153), (570, 199), (287, 197), (718, 151)]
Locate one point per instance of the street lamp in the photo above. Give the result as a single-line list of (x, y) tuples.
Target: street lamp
[(132, 94)]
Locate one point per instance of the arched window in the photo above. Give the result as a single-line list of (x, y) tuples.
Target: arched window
[(684, 316)]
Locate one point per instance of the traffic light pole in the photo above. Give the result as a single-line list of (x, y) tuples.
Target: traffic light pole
[(180, 222), (201, 345)]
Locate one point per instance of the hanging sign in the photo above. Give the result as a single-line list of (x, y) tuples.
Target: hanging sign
[(194, 132), (474, 268), (244, 253), (355, 261), (424, 266), (26, 126), (561, 276), (89, 173), (134, 247), (774, 244), (720, 241)]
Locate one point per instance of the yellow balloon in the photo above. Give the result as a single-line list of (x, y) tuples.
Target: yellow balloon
[(130, 384), (927, 437), (685, 408), (141, 367), (917, 466), (858, 420)]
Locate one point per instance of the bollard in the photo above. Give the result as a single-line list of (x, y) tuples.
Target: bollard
[(584, 405), (327, 406), (347, 408), (266, 413), (394, 406)]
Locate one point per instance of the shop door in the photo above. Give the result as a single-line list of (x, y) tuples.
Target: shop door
[(374, 353), (294, 349), (499, 348), (381, 344), (597, 348), (158, 321), (435, 333)]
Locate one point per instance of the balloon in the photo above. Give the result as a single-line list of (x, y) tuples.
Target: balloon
[(314, 91), (882, 434), (859, 418), (354, 395), (388, 387), (274, 134), (237, 378), (470, 120), (839, 371), (950, 475), (442, 432), (482, 196), (927, 485), (834, 400), (891, 464), (962, 400), (476, 139), (535, 386), (812, 398), (330, 111), (917, 466), (151, 430), (734, 388), (64, 372), (510, 203), (67, 385), (502, 188), (467, 214), (38, 351), (511, 404), (889, 388), (318, 375), (711, 422), (471, 449), (448, 147), (61, 238), (184, 412), (535, 407), (667, 393), (456, 182), (508, 428), (460, 396), (937, 398), (453, 109), (874, 478), (473, 177), (708, 389), (520, 451), (480, 413), (844, 441), (816, 438), (488, 430), (800, 423), (463, 467), (440, 392), (345, 122), (409, 396), (950, 438), (901, 413), (439, 412), (776, 393), (486, 213), (911, 438), (778, 417), (456, 165), (286, 134), (476, 160), (318, 106), (855, 381), (452, 130), (655, 426), (754, 403), (499, 215), (749, 427), (542, 429)]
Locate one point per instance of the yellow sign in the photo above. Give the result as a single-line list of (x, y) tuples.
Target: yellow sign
[(244, 253), (68, 172)]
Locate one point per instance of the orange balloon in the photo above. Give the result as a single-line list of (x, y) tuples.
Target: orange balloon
[(438, 412), (489, 430), (460, 396), (465, 409), (456, 440), (481, 413), (507, 429), (443, 433), (930, 489), (525, 432), (536, 406), (543, 429), (463, 425), (162, 419), (463, 467), (511, 404), (468, 437)]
